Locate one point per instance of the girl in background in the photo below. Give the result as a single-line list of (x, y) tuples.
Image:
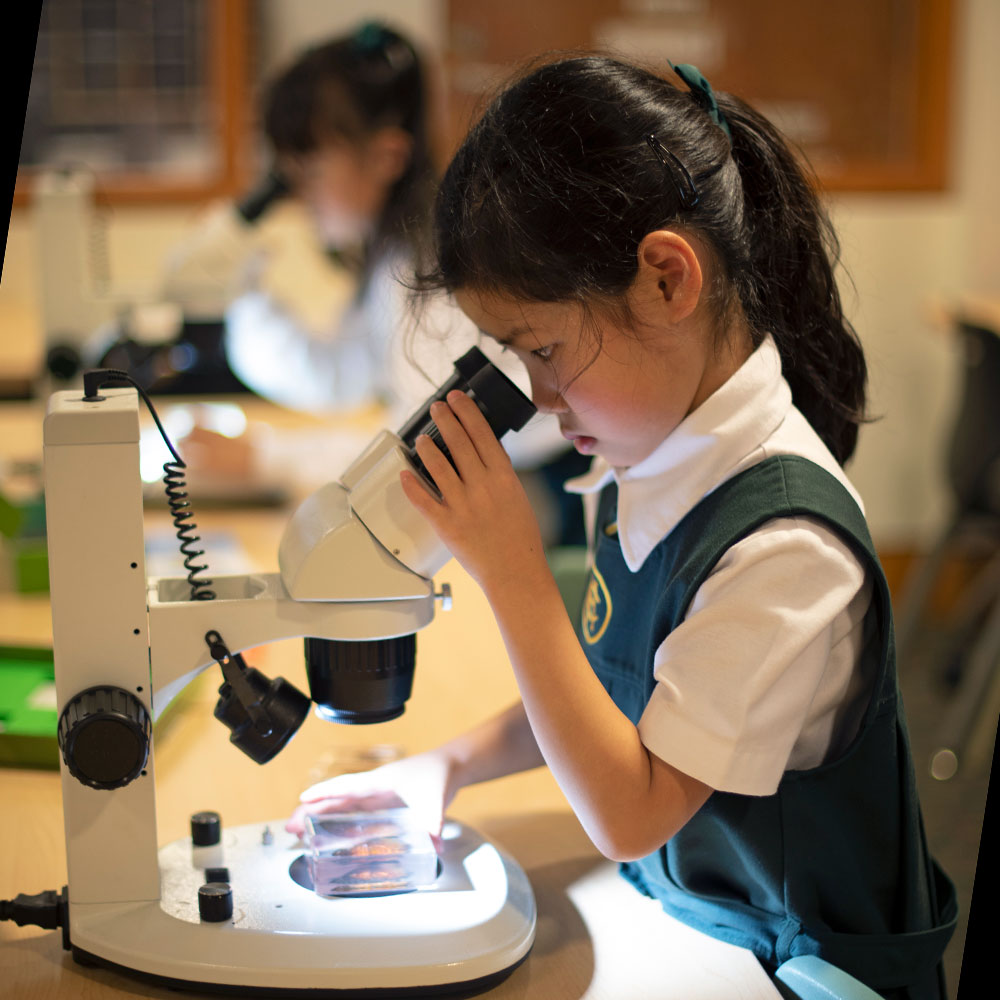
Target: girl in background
[(347, 125), (722, 713)]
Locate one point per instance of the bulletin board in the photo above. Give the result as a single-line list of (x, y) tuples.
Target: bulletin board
[(860, 86)]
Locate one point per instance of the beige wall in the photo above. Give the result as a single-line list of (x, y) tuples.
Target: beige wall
[(908, 254), (903, 252)]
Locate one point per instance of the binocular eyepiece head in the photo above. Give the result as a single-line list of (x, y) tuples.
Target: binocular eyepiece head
[(366, 681)]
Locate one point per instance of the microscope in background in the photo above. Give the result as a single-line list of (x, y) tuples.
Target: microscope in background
[(356, 564), (171, 340), (78, 308)]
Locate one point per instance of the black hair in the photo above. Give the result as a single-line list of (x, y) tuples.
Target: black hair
[(552, 191), (346, 89)]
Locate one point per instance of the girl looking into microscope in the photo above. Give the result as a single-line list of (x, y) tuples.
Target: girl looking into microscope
[(722, 712)]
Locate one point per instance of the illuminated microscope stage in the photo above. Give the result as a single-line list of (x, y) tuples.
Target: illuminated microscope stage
[(464, 932)]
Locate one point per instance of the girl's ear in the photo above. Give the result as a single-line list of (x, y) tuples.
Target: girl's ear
[(389, 153), (670, 273)]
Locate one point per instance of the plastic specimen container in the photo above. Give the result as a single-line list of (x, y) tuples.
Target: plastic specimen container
[(369, 853)]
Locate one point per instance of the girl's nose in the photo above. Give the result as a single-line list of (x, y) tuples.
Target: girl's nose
[(546, 396)]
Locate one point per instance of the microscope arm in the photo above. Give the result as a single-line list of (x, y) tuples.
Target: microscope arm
[(337, 579), (255, 610)]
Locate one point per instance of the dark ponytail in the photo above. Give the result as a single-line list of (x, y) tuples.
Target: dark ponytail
[(551, 193), (789, 287)]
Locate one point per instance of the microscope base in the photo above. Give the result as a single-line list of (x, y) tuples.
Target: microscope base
[(462, 934)]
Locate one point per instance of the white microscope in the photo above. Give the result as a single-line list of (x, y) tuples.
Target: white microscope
[(356, 564)]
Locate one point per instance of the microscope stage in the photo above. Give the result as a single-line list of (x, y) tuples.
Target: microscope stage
[(469, 928)]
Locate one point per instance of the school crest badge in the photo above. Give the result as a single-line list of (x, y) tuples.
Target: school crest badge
[(596, 612)]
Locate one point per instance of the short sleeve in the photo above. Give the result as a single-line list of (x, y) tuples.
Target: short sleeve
[(763, 673)]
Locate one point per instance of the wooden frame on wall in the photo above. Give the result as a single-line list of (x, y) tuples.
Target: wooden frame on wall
[(487, 40), (227, 51), (844, 74)]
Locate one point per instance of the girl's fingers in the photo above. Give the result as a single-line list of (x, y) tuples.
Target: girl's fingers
[(296, 823), (440, 469), (456, 436), (333, 804), (419, 494), (486, 443)]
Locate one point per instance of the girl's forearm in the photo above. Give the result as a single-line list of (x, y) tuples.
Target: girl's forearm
[(504, 744), (628, 800)]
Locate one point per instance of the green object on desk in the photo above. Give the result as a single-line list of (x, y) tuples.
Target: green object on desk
[(11, 518), (25, 550), (28, 718), (30, 565)]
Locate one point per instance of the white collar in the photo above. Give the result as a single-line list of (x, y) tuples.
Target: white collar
[(702, 451)]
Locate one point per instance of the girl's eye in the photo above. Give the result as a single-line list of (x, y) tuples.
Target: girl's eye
[(543, 352)]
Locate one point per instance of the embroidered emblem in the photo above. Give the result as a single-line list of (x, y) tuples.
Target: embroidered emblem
[(596, 613)]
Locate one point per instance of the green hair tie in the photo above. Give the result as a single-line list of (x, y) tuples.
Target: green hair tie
[(701, 91), (370, 37)]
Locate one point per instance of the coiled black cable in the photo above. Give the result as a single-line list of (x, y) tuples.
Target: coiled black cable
[(180, 511), (173, 480)]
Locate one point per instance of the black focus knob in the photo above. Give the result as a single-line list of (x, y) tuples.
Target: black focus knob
[(215, 902), (104, 736), (206, 828)]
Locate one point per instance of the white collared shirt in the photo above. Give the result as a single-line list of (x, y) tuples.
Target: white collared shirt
[(762, 675)]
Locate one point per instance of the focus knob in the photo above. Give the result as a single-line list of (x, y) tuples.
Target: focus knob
[(206, 829), (215, 902), (104, 737)]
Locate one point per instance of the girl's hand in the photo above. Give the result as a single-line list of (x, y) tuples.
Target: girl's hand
[(483, 515), (423, 782)]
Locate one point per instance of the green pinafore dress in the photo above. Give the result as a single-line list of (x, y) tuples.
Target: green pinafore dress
[(835, 862)]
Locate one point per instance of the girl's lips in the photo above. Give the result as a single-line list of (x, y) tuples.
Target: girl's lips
[(583, 444)]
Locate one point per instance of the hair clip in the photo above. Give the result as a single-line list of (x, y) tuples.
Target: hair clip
[(687, 193)]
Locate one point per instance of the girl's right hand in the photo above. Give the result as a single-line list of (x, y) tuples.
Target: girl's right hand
[(423, 782)]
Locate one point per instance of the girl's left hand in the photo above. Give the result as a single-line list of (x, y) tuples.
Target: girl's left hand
[(483, 515), (423, 783)]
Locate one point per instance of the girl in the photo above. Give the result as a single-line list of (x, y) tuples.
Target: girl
[(346, 125), (723, 717)]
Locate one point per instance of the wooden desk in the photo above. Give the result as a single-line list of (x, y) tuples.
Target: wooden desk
[(596, 937)]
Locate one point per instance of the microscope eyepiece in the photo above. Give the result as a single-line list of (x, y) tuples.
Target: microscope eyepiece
[(369, 680), (503, 404)]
